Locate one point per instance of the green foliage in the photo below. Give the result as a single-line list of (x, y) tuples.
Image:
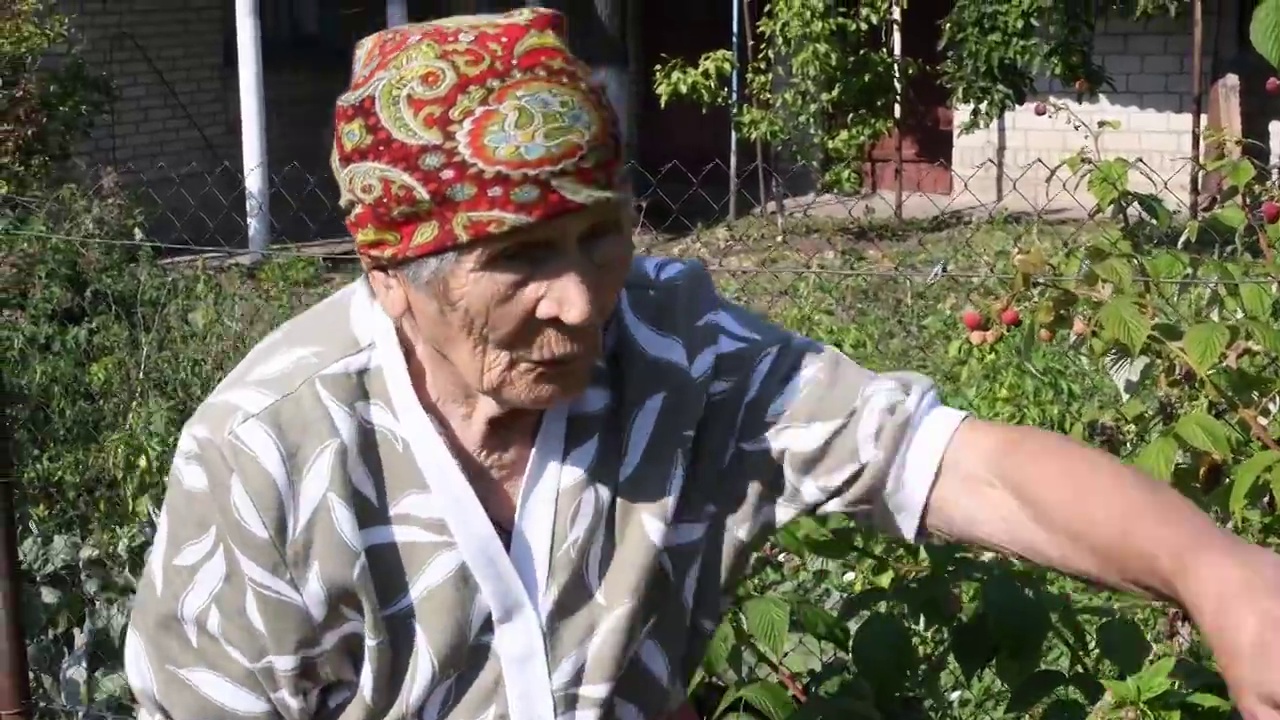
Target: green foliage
[(822, 80), (995, 52), (1264, 31), (1155, 339), (834, 102), (49, 98), (106, 353)]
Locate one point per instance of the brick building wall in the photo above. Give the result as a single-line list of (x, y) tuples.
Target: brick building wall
[(173, 131), (1150, 63), (166, 59), (168, 134)]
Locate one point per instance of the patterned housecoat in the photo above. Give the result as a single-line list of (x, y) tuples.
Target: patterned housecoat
[(320, 554)]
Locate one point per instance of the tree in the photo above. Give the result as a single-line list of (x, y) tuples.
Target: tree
[(841, 77)]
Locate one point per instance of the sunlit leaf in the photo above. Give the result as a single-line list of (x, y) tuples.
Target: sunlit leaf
[(1121, 319), (767, 620), (1264, 31), (1204, 432), (1245, 477), (1158, 458), (1204, 344)]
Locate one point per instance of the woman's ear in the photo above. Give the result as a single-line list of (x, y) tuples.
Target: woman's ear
[(390, 291)]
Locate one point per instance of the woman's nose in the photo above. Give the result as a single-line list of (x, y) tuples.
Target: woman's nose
[(568, 300)]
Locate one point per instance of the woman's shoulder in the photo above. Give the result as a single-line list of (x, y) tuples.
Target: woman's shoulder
[(671, 310)]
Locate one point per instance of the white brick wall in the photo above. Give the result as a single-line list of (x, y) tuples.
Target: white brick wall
[(168, 132), (1150, 64), (165, 57), (174, 125)]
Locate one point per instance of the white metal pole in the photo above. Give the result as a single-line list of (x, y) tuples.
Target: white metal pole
[(733, 110), (253, 124), (397, 12), (899, 89), (895, 15)]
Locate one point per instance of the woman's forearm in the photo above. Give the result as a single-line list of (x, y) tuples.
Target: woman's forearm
[(1059, 503)]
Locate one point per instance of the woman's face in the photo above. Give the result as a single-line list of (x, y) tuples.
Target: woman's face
[(520, 318)]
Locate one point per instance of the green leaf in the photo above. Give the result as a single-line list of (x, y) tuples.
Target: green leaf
[(1108, 180), (1155, 209), (1158, 458), (1267, 335), (1204, 344), (1256, 298), (821, 624), (1205, 700), (717, 658), (1232, 215), (1241, 172), (1122, 320), (1088, 686), (1063, 709), (1115, 270), (972, 646), (1033, 690), (1264, 31), (1121, 691), (1165, 265), (883, 652), (1122, 642), (1245, 477), (1154, 679), (1018, 622), (768, 619), (769, 698), (1204, 432)]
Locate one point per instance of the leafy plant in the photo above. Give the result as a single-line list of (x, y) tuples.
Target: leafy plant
[(822, 82), (49, 98), (107, 353), (833, 103)]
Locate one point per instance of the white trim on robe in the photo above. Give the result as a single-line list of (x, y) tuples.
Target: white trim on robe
[(912, 479), (536, 509), (513, 591)]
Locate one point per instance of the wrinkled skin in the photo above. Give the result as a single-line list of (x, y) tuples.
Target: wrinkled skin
[(516, 324)]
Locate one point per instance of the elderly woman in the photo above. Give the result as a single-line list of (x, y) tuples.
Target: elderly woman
[(511, 471)]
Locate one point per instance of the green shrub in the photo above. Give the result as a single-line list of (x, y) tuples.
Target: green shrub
[(107, 351), (1132, 337), (49, 98)]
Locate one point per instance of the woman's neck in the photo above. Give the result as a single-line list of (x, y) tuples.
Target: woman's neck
[(476, 420)]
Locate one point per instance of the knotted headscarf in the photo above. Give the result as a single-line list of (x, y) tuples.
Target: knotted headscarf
[(459, 129)]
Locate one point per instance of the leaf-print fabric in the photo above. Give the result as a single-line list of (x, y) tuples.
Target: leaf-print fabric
[(319, 554)]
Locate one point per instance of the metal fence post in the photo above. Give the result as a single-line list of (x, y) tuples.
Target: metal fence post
[(15, 689)]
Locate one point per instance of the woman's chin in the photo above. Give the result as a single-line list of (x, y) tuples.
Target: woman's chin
[(541, 386)]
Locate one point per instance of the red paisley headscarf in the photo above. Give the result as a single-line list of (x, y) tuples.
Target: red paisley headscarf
[(459, 129)]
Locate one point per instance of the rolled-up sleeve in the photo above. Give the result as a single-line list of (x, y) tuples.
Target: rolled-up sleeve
[(815, 432), (217, 625)]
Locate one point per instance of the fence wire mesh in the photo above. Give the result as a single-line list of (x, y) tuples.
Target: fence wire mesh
[(120, 353)]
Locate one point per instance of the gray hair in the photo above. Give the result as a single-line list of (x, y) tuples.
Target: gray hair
[(426, 270)]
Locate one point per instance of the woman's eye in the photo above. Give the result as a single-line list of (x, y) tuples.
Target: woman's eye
[(596, 245), (529, 253)]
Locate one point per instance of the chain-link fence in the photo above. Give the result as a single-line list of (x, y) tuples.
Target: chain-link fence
[(132, 298)]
